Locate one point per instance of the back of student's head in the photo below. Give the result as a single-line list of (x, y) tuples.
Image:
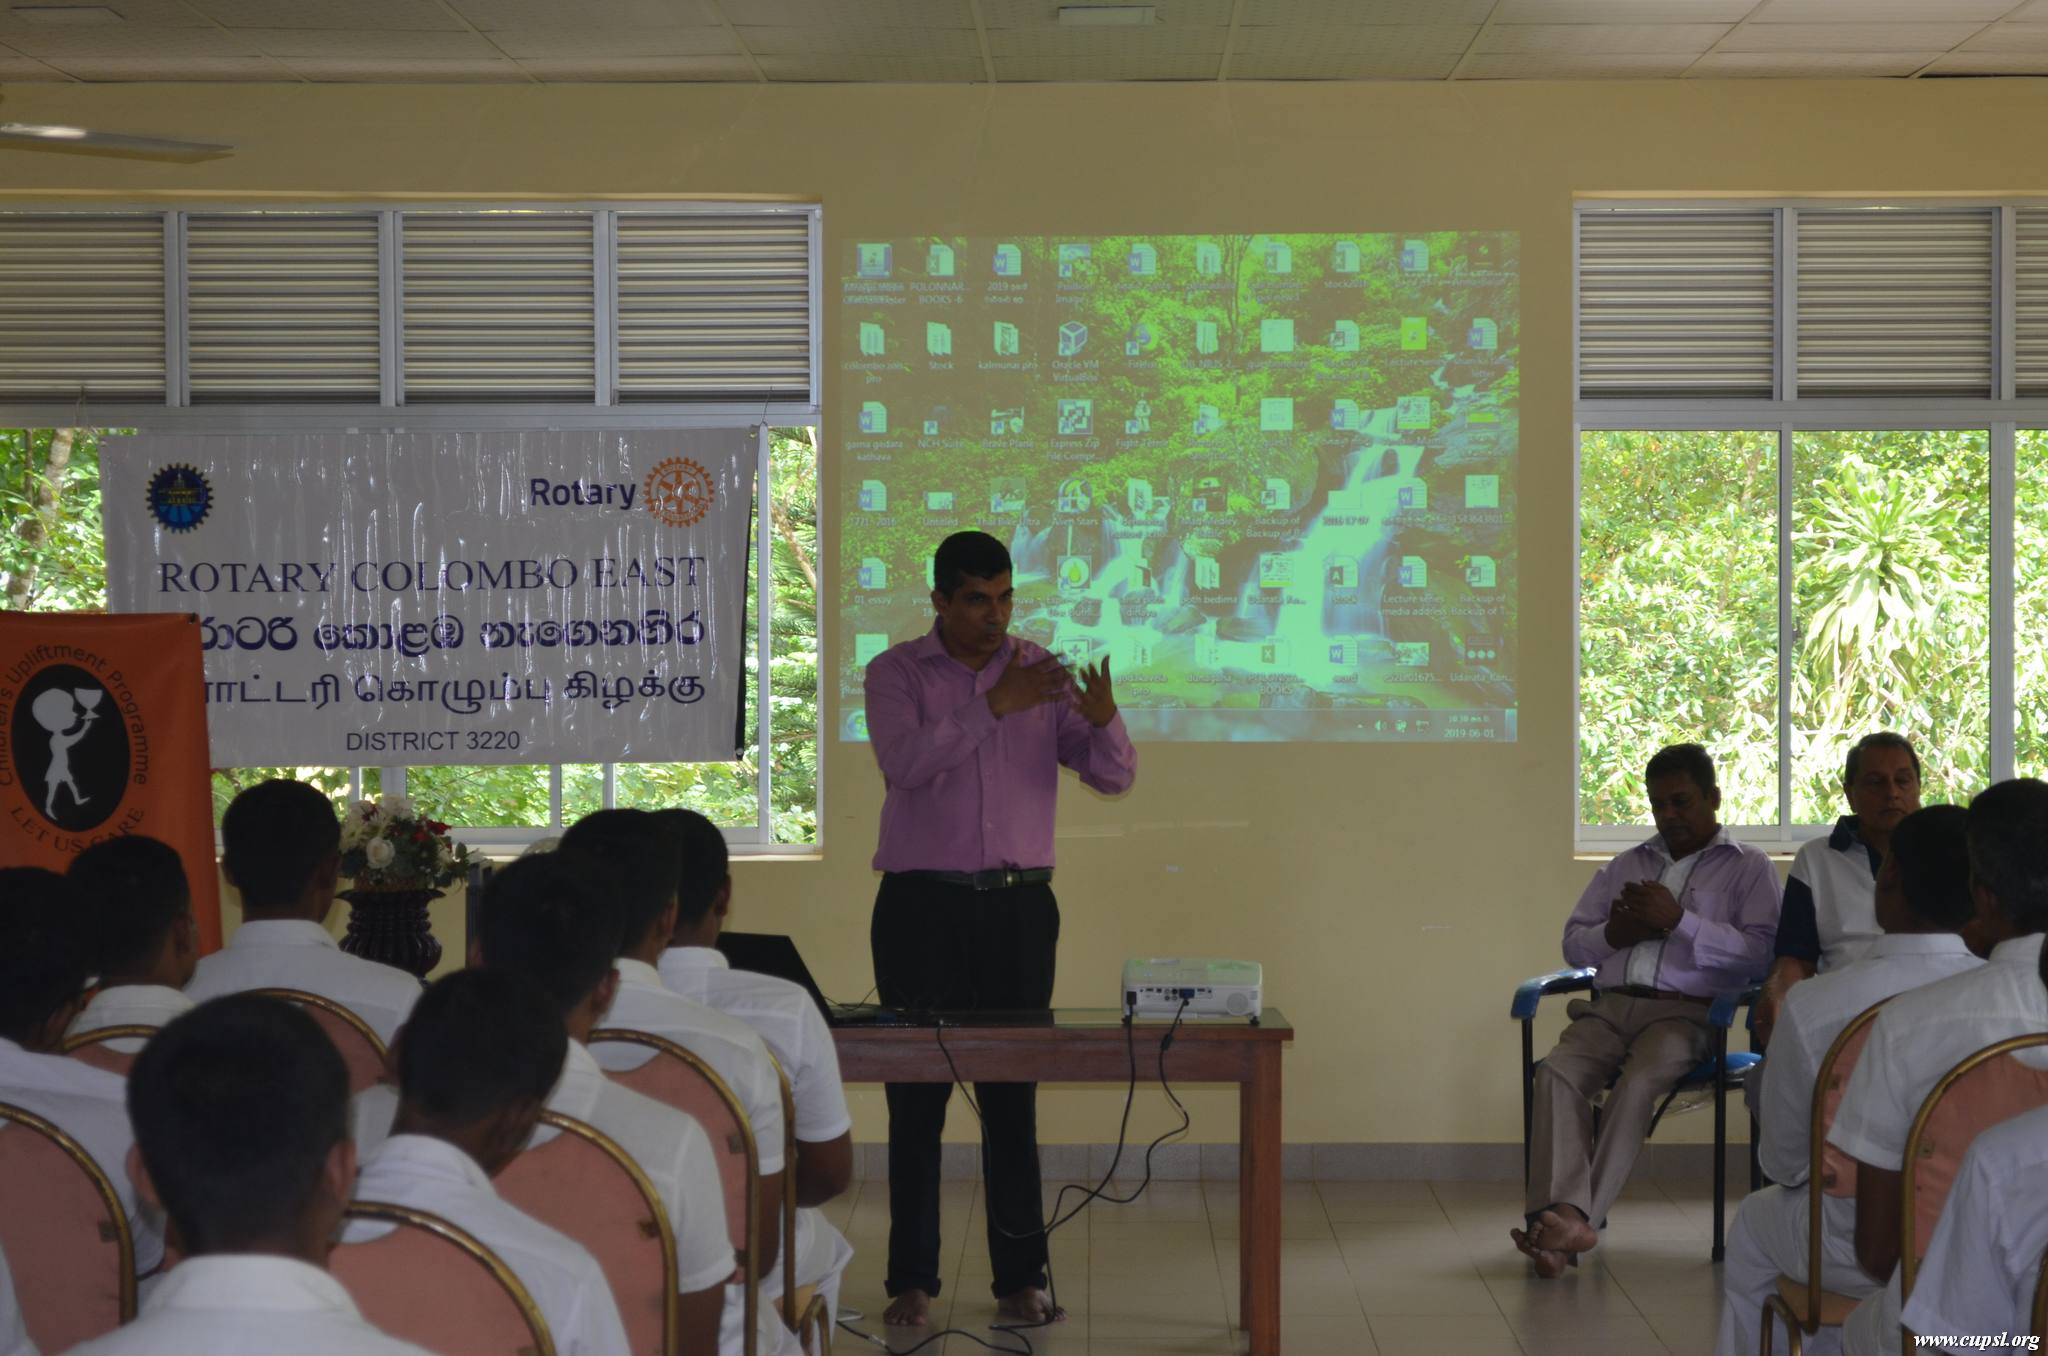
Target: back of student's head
[(2008, 832), (630, 852), (274, 837), (480, 1042), (135, 895), (1932, 852), (546, 918), (44, 957), (705, 862), (236, 1106)]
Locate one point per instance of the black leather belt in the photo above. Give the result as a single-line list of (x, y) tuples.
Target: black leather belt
[(1002, 878), (1664, 995)]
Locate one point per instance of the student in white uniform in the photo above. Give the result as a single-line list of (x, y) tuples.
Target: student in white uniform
[(1922, 903), (13, 1328), (1923, 1034), (241, 1126), (43, 969), (139, 917), (281, 847), (797, 1036), (476, 1062), (544, 918)]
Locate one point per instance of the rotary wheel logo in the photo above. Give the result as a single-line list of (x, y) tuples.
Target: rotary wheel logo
[(679, 492), (180, 497)]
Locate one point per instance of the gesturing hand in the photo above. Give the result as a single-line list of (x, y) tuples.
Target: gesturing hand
[(1655, 904), (1095, 699), (1024, 686)]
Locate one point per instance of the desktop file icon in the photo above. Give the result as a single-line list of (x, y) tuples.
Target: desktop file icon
[(874, 497), (1483, 336), (1208, 574), (1009, 262), (1414, 572), (876, 260), (1072, 257), (872, 340), (1208, 336), (1414, 332), (1344, 257), (1276, 336), (1481, 572), (1482, 492), (874, 417), (1346, 417), (1412, 412), (868, 646), (874, 574), (1415, 256), (1276, 414), (1144, 260), (1208, 259), (1005, 339), (938, 501), (1277, 496), (1344, 336), (1207, 420), (1277, 257), (938, 261), (1073, 338), (938, 339), (1076, 418)]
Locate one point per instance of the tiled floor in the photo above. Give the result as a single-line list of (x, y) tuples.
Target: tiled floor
[(1392, 1268)]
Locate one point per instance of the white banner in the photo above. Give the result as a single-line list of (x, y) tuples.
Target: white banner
[(413, 598)]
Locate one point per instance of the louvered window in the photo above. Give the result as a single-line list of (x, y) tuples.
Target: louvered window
[(283, 307), (499, 307), (713, 307), (2030, 301), (1675, 303), (82, 307), (1894, 302)]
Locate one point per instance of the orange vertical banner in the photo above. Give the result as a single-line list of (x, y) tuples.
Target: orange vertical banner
[(103, 733)]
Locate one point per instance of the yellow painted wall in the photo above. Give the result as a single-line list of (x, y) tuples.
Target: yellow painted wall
[(1394, 893)]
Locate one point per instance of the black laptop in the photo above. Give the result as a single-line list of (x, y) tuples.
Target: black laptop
[(770, 953)]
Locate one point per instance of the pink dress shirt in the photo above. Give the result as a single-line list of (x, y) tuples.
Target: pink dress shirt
[(968, 792)]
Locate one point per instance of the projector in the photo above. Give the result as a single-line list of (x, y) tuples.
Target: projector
[(1161, 986)]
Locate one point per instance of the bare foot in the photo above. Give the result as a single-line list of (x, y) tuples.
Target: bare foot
[(1563, 1231), (911, 1309), (1548, 1263), (1030, 1305)]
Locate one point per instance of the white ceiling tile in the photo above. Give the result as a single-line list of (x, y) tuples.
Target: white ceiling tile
[(1048, 69), (416, 46), (170, 13), (1808, 65), (856, 42), (665, 69), (1562, 66), (384, 14), (1758, 37), (407, 72), (122, 69), (1992, 63), (886, 70), (1342, 66), (1045, 13), (1600, 39), (127, 40), (1108, 42), (1881, 11), (490, 14), (851, 13), (1622, 11), (2010, 38), (581, 44), (27, 69), (1354, 12), (1394, 40)]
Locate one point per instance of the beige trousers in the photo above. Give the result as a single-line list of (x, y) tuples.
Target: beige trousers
[(1651, 1043)]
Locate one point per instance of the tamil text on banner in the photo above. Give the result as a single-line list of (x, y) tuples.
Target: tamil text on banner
[(417, 597), (102, 734)]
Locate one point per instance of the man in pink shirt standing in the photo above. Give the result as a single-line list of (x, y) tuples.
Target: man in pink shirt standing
[(971, 727)]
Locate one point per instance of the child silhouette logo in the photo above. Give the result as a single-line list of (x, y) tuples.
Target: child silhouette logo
[(70, 751)]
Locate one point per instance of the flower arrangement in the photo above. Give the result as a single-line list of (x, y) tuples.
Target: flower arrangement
[(386, 845)]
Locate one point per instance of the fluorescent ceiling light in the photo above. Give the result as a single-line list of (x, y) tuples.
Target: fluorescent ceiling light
[(44, 130), (67, 16), (1108, 16)]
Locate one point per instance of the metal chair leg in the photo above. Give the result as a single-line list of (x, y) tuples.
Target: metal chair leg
[(1528, 1097), (1720, 1143)]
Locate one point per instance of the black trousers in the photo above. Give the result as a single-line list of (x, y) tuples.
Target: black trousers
[(958, 949)]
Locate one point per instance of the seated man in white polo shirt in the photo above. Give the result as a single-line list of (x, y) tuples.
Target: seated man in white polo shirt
[(1922, 903), (544, 918), (13, 1327), (139, 916), (281, 847), (796, 1033), (476, 1062), (1923, 1034), (241, 1127), (43, 970)]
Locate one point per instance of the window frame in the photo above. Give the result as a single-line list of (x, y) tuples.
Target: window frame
[(2000, 412)]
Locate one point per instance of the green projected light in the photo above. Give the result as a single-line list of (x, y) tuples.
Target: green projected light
[(1270, 477)]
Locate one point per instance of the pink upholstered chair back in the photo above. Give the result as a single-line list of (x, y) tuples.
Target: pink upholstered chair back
[(790, 1317), (1988, 1087), (91, 1047), (64, 1233), (361, 1051), (435, 1285), (1837, 1169), (582, 1183)]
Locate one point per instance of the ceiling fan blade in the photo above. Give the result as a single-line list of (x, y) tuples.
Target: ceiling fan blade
[(56, 137)]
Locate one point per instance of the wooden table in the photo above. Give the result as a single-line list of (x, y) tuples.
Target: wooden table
[(1086, 1045)]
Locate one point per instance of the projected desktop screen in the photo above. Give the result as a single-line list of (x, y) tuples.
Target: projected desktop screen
[(1271, 478)]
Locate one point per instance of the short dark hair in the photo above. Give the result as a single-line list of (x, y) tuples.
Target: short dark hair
[(134, 892), (968, 553), (631, 852), (2008, 831), (45, 959), (478, 1042), (705, 861), (274, 836), (545, 918), (1691, 760), (236, 1105), (1879, 739), (1932, 850)]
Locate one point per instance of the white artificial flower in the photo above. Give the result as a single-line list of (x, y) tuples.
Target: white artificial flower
[(379, 853), (395, 805)]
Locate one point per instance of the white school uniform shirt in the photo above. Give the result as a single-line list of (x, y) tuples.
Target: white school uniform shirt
[(13, 1327), (735, 1052), (1645, 957), (670, 1147), (90, 1105), (1815, 1012), (130, 1005), (1981, 1265), (1836, 869), (281, 953), (246, 1304), (1923, 1034), (424, 1173)]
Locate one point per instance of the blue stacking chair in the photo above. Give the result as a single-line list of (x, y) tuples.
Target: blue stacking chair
[(1713, 1077)]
